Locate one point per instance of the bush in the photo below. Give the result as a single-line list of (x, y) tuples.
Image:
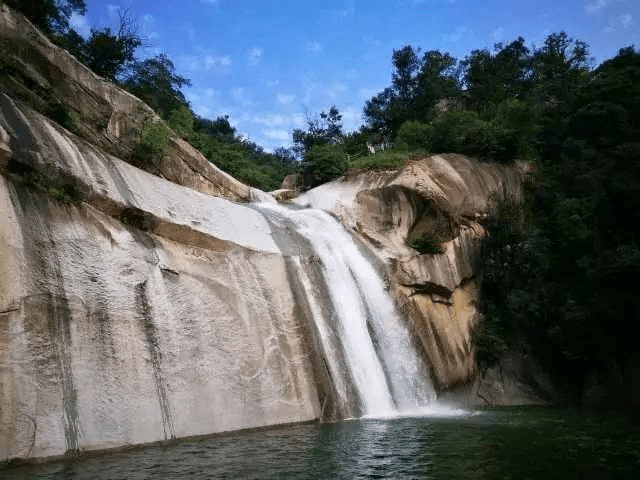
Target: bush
[(181, 121), (385, 159), (516, 124), (67, 194), (326, 162), (457, 131), (154, 140), (63, 116), (423, 242), (415, 136)]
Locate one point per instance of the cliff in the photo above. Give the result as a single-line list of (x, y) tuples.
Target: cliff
[(133, 309), (138, 306), (447, 197)]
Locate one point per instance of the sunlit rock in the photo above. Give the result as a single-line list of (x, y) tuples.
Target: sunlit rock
[(51, 81), (133, 309), (445, 197)]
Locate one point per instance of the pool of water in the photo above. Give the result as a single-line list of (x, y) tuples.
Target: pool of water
[(504, 443)]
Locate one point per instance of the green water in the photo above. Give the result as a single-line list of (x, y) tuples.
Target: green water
[(505, 443)]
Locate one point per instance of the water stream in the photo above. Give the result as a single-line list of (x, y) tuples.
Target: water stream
[(366, 343)]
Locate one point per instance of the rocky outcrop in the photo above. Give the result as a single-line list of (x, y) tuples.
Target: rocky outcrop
[(445, 197), (133, 309), (53, 82)]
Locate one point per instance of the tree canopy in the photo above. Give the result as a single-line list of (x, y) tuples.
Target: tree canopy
[(155, 81), (49, 15)]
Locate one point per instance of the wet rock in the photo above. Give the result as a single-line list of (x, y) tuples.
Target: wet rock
[(446, 197)]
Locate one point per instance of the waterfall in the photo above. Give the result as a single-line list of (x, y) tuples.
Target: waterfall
[(367, 346)]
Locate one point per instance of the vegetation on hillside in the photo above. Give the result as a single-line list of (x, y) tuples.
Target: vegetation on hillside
[(560, 269), (111, 53)]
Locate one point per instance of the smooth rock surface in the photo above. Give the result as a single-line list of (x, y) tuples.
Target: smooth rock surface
[(447, 196), (133, 309)]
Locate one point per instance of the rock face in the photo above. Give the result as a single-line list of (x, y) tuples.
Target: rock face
[(138, 306), (446, 197), (53, 82), (133, 309)]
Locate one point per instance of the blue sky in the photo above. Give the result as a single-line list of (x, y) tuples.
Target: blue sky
[(268, 63)]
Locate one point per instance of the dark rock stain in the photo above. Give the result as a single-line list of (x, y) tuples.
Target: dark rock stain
[(143, 310)]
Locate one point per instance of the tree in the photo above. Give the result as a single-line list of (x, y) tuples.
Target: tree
[(154, 80), (324, 162), (325, 128), (415, 135), (404, 81), (377, 110), (560, 65), (494, 77), (416, 86), (286, 157), (110, 53), (406, 65), (218, 127), (50, 16), (437, 79), (181, 121)]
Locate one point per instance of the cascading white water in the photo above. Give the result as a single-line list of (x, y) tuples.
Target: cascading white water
[(363, 326)]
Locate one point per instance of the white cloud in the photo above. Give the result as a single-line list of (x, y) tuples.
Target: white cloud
[(275, 134), (240, 96), (623, 21), (254, 56), (202, 110), (211, 62), (598, 5), (315, 47), (212, 2), (593, 8), (80, 24), (206, 62), (113, 11), (336, 90), (285, 99), (272, 119), (351, 118), (457, 35), (497, 34)]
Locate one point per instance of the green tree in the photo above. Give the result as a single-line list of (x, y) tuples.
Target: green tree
[(181, 121), (325, 128), (377, 111), (324, 162), (437, 79), (406, 65), (415, 136), (492, 77), (109, 53), (155, 81), (50, 16)]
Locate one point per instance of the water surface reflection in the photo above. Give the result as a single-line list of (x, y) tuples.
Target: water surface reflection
[(517, 443)]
